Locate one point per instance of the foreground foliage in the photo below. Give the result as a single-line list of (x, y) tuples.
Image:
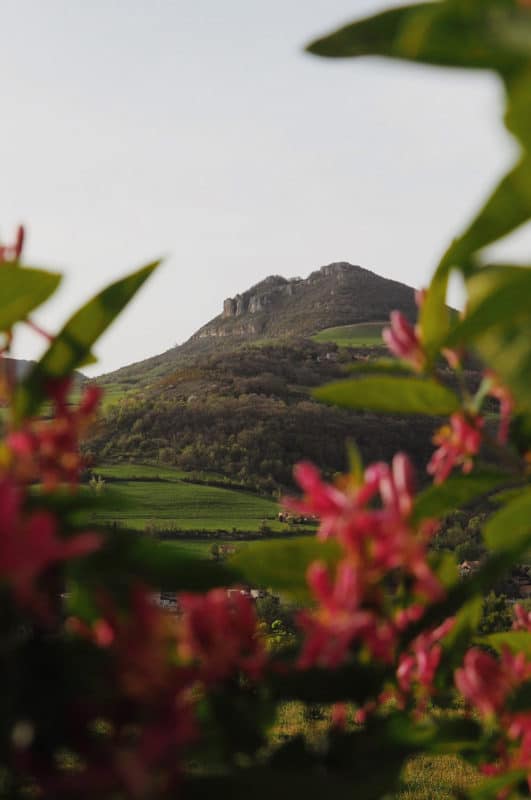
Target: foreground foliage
[(105, 693)]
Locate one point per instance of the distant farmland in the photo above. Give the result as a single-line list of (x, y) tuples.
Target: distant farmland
[(157, 498)]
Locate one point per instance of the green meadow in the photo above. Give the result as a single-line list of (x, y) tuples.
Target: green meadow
[(362, 334), (156, 498)]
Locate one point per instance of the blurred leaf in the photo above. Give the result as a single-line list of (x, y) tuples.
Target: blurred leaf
[(505, 294), (511, 525), (443, 735), (520, 432), (493, 787), (508, 207), (21, 290), (521, 698), (443, 564), (499, 322), (515, 641), (391, 394), (476, 34), (282, 565), (355, 461), (73, 343), (160, 565), (455, 492), (434, 316), (457, 642)]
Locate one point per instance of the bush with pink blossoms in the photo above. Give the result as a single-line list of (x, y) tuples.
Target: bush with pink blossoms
[(106, 694)]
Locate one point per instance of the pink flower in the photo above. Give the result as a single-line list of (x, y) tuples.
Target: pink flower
[(506, 401), (12, 252), (485, 681), (48, 450), (458, 443), (331, 629), (522, 619), (334, 505), (403, 341), (152, 697), (218, 632), (419, 665), (339, 716), (29, 545)]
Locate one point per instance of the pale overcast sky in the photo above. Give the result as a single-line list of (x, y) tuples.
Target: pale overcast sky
[(201, 131)]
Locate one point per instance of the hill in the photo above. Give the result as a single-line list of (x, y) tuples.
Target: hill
[(279, 309), (336, 294), (248, 414), (236, 398)]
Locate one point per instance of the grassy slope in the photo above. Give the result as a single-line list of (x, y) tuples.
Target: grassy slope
[(359, 335), (169, 503)]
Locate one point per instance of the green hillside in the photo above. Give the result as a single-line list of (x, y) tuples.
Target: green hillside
[(249, 415)]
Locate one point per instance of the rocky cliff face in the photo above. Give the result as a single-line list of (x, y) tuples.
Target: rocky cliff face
[(336, 294), (260, 297)]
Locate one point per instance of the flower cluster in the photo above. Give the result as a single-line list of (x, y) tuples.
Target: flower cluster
[(160, 665), (403, 339), (417, 667), (30, 545), (12, 252), (458, 443), (48, 449), (218, 634), (379, 543), (487, 684)]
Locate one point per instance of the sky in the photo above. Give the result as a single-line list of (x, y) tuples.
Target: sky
[(201, 132)]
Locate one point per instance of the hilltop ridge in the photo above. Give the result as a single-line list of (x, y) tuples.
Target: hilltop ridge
[(336, 294), (283, 309)]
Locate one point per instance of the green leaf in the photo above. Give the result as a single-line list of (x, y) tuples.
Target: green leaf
[(508, 207), (456, 491), (72, 345), (491, 788), (391, 394), (21, 290), (434, 316), (438, 736), (505, 294), (511, 525), (158, 564), (478, 34), (499, 322), (521, 698), (515, 641), (282, 565)]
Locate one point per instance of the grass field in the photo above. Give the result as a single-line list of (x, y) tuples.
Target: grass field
[(360, 335), (163, 501), (125, 472)]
